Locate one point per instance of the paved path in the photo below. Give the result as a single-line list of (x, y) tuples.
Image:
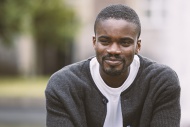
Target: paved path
[(21, 114)]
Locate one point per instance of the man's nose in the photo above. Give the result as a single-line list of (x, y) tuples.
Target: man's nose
[(114, 48)]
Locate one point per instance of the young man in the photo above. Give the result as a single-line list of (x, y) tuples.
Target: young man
[(118, 87)]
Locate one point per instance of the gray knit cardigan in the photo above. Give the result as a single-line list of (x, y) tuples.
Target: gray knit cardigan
[(152, 100)]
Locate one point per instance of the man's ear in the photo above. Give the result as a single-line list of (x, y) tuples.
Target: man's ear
[(138, 46), (94, 40)]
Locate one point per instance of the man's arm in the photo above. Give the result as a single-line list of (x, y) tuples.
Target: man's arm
[(56, 114), (166, 110), (63, 103)]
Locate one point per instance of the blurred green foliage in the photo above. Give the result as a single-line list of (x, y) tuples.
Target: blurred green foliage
[(49, 21)]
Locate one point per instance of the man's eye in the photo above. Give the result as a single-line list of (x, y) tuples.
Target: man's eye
[(125, 43), (104, 41)]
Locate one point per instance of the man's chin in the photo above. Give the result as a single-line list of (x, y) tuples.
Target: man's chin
[(113, 72)]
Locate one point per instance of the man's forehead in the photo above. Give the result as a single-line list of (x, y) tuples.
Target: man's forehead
[(115, 23)]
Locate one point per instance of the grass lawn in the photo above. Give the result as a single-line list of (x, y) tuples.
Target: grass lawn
[(14, 87)]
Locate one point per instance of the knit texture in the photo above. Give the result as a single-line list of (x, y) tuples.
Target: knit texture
[(152, 100)]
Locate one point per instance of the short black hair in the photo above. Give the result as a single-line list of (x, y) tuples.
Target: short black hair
[(118, 11)]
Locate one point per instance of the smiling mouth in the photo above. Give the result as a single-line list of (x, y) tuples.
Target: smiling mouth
[(113, 62)]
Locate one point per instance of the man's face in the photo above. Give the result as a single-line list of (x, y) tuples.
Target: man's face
[(115, 43)]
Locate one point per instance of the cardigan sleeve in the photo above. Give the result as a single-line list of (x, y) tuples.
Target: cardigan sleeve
[(64, 105), (57, 115), (166, 108)]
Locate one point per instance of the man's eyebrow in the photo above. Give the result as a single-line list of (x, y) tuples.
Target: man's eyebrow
[(103, 36), (126, 38)]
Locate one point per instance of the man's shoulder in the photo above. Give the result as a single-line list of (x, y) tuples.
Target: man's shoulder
[(158, 71), (153, 65), (77, 68), (70, 75), (72, 71)]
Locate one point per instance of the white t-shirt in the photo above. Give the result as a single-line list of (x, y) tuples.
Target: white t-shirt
[(114, 113)]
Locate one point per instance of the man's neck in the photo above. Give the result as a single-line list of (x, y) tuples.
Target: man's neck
[(114, 81)]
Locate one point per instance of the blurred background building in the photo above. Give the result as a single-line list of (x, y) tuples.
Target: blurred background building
[(42, 36)]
